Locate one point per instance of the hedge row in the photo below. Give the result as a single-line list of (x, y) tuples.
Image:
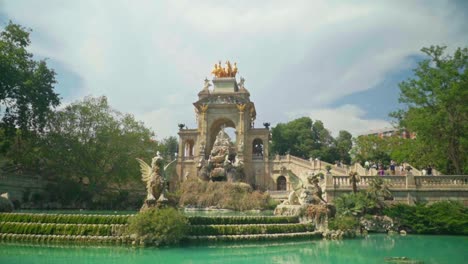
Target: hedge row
[(241, 220), (64, 218), (208, 230), (63, 238), (61, 229), (444, 217), (263, 237)]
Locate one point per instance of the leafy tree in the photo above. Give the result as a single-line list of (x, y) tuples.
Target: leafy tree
[(168, 147), (436, 108), (90, 139), (373, 148), (26, 85), (304, 138), (344, 144), (294, 137)]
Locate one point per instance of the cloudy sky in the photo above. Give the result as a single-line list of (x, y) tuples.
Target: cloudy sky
[(335, 61)]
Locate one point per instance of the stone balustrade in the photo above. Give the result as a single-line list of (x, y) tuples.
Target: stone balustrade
[(188, 158), (406, 182), (442, 181), (310, 164), (393, 181), (405, 189)]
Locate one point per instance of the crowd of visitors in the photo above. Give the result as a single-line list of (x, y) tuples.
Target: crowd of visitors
[(393, 168)]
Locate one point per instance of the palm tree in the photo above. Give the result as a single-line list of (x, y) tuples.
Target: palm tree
[(379, 191)]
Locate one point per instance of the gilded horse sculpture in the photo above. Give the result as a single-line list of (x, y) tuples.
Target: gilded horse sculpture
[(223, 72)]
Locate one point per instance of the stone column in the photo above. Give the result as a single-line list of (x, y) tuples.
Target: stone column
[(329, 187), (202, 129), (410, 188), (240, 131)]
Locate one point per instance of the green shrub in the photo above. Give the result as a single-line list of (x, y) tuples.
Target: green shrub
[(226, 195), (445, 217), (213, 230), (356, 204), (5, 205), (238, 220), (159, 226), (343, 223)]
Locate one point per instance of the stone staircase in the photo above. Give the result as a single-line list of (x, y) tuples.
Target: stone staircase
[(101, 229), (110, 229), (252, 228), (301, 167)]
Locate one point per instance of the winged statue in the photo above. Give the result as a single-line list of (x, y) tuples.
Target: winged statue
[(156, 177), (305, 193)]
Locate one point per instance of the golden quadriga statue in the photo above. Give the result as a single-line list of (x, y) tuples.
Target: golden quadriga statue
[(228, 71)]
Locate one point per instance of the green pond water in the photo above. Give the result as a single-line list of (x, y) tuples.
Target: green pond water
[(373, 249)]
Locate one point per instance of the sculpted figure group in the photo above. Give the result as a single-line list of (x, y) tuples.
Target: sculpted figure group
[(228, 71), (305, 193), (221, 166)]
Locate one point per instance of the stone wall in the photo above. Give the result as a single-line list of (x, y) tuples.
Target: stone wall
[(17, 185)]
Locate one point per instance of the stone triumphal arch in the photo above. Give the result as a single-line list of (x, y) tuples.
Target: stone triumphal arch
[(225, 102)]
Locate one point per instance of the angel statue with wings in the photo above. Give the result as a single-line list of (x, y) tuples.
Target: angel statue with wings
[(156, 178), (305, 193)]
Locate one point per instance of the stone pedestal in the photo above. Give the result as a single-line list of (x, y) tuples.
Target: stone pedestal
[(225, 85), (287, 210)]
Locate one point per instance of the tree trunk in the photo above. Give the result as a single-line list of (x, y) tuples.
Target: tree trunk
[(353, 180)]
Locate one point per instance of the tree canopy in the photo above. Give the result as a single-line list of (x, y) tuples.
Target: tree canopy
[(26, 85), (436, 108), (305, 138), (90, 139)]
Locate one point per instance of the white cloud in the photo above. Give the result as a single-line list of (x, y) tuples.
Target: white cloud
[(346, 117), (150, 57)]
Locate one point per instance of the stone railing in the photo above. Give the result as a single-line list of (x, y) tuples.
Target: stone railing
[(257, 157), (305, 164), (393, 181), (406, 182), (300, 160), (357, 167), (405, 189), (279, 195), (188, 158), (312, 164), (443, 181)]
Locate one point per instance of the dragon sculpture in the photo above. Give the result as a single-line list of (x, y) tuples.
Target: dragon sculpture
[(156, 177)]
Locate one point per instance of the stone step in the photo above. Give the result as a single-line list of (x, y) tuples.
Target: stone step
[(241, 220), (252, 229), (62, 229), (66, 238), (256, 237)]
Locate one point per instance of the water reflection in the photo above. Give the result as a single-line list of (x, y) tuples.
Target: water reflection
[(371, 249)]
